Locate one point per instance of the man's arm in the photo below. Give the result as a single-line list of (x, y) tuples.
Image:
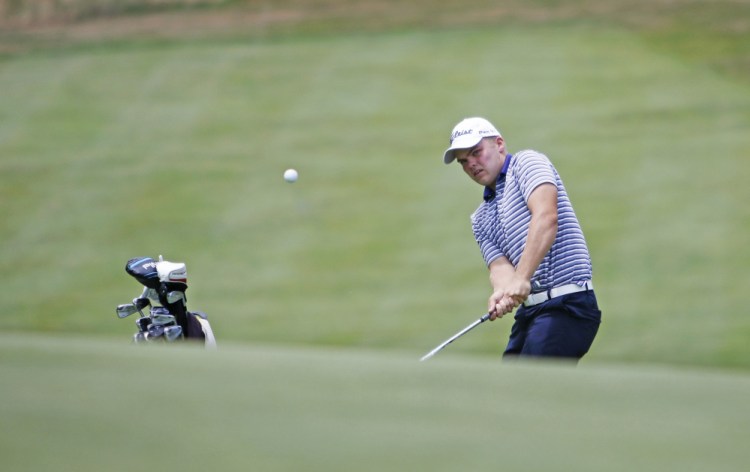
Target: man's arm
[(542, 233), (501, 274)]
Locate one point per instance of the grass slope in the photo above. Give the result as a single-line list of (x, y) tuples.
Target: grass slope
[(712, 33), (89, 405), (120, 149)]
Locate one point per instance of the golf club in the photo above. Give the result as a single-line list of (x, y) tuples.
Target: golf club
[(141, 303), (125, 310), (173, 297), (172, 333), (161, 319), (455, 336)]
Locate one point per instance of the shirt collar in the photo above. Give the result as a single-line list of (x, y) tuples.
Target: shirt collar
[(490, 192)]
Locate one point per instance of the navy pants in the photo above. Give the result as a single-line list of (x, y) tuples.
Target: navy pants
[(561, 327)]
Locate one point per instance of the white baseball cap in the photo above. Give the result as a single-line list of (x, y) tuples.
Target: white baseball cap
[(467, 134)]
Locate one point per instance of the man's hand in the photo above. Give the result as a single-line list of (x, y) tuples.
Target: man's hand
[(503, 301), (500, 305), (518, 289)]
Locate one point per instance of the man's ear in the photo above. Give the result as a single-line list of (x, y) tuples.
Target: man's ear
[(500, 143)]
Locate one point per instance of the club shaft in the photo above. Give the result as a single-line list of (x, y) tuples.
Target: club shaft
[(456, 336)]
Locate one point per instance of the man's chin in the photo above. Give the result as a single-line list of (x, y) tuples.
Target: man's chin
[(483, 180)]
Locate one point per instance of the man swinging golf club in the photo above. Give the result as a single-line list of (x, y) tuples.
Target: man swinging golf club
[(532, 244)]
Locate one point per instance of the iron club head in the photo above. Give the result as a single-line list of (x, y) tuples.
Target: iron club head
[(125, 310)]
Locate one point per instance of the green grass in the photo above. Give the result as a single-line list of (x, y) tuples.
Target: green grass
[(74, 403), (139, 146), (145, 128)]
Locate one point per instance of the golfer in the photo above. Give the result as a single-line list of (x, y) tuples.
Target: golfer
[(532, 244)]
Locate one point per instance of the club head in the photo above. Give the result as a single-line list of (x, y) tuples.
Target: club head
[(173, 333), (125, 310), (163, 320), (139, 337), (141, 303), (173, 297), (142, 323), (154, 332), (149, 294)]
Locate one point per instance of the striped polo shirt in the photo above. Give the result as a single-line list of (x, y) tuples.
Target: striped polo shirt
[(501, 222)]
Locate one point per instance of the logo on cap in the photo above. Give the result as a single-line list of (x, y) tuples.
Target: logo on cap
[(461, 132)]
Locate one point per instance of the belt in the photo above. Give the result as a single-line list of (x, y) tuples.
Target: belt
[(541, 297)]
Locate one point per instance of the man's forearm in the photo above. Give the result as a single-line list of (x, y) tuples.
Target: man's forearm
[(501, 272), (542, 233), (542, 230)]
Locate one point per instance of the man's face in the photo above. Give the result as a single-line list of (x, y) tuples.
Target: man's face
[(484, 161)]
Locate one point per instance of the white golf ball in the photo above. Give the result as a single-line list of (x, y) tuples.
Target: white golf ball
[(290, 175)]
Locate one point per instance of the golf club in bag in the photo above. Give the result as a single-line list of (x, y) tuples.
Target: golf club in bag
[(168, 319)]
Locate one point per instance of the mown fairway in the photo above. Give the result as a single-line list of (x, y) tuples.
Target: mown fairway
[(82, 405)]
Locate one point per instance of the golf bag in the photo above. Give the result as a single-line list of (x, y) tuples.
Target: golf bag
[(168, 320)]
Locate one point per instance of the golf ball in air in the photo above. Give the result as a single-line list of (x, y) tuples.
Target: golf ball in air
[(290, 175)]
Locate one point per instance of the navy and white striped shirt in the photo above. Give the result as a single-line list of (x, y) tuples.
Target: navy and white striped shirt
[(501, 222)]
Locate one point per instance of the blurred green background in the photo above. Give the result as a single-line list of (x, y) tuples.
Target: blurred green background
[(132, 128)]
